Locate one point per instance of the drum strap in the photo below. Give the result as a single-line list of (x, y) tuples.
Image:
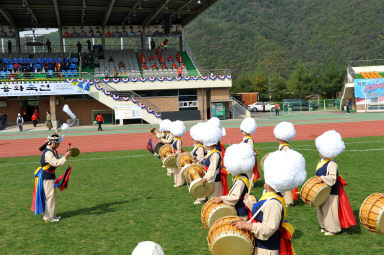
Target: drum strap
[(283, 145), (322, 162)]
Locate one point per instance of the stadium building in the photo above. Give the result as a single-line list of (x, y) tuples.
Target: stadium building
[(364, 85), (126, 59)]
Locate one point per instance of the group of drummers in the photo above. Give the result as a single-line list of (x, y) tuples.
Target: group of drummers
[(239, 222)]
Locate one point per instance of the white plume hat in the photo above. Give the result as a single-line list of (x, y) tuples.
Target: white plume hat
[(196, 131), (148, 248), (239, 159), (177, 128), (284, 131), (164, 125), (215, 121), (330, 144), (248, 125), (284, 170), (211, 135)]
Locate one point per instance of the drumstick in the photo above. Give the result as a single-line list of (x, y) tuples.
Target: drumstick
[(251, 184)]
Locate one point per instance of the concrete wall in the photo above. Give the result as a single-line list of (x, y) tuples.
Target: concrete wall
[(219, 94), (165, 104)]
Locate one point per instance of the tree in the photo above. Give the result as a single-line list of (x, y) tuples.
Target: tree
[(243, 84), (301, 82), (278, 87), (332, 80), (260, 84)]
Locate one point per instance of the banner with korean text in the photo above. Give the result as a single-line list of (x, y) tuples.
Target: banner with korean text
[(365, 87), (9, 89)]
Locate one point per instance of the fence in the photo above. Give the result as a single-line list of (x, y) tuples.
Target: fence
[(298, 107)]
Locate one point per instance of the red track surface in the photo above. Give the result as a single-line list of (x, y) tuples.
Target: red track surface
[(136, 141)]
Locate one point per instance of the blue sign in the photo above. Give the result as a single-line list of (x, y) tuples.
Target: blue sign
[(365, 87)]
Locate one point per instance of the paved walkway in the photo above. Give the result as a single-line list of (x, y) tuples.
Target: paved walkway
[(134, 137)]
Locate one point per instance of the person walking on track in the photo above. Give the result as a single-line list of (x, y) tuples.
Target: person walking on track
[(99, 120)]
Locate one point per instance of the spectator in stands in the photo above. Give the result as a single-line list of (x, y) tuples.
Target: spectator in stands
[(154, 66), (130, 32), (49, 46), (115, 72), (110, 59), (16, 65), (165, 44), (161, 58), (97, 64), (9, 46), (79, 47), (43, 70), (99, 120), (151, 59), (45, 64), (24, 65), (145, 67), (174, 66), (277, 109), (123, 31), (20, 122), (158, 50), (89, 45), (106, 72), (13, 70), (170, 58), (153, 44), (30, 67), (121, 64), (142, 58), (163, 66), (179, 71)]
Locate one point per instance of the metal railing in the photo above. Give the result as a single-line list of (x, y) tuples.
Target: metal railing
[(238, 109), (128, 93), (369, 62), (192, 57)]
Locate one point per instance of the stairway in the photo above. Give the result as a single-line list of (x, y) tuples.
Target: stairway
[(190, 67), (111, 103)]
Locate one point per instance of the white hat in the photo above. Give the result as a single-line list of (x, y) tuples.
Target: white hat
[(216, 122), (239, 158), (284, 170), (211, 135), (148, 248), (164, 125), (55, 138), (177, 128), (284, 131), (248, 125), (330, 144), (196, 131)]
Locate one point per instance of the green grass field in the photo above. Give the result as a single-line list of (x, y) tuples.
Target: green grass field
[(117, 199)]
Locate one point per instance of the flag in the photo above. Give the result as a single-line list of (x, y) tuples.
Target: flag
[(62, 181), (150, 146)]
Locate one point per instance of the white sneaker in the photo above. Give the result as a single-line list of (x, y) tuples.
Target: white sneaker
[(322, 230), (53, 220), (197, 202), (326, 233)]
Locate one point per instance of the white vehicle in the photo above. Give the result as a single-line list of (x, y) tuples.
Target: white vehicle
[(258, 107)]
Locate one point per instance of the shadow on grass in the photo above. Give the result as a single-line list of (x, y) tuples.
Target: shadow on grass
[(97, 209), (298, 234), (354, 229)]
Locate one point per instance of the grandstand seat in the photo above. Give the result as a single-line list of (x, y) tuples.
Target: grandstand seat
[(74, 73), (9, 67), (50, 73), (73, 67), (74, 60), (3, 75)]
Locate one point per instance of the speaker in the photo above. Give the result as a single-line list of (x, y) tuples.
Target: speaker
[(167, 23)]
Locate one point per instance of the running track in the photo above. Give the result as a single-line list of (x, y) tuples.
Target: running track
[(137, 141)]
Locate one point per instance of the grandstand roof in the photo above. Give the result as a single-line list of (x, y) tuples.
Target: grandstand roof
[(56, 13)]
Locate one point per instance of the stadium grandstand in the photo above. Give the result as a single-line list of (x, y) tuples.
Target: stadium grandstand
[(364, 85), (126, 59)]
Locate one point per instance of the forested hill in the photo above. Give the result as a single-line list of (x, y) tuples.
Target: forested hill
[(243, 34)]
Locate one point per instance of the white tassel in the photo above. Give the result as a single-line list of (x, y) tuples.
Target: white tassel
[(64, 126), (69, 112), (223, 132)]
